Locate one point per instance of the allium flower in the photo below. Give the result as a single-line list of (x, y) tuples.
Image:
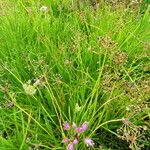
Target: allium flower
[(75, 141), (65, 140), (29, 89), (66, 126), (76, 129), (89, 142), (70, 146), (43, 8), (75, 136), (83, 127)]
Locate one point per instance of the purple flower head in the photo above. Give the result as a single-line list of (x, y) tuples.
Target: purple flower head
[(83, 127), (65, 140), (75, 141), (70, 146), (76, 129), (66, 126), (89, 142)]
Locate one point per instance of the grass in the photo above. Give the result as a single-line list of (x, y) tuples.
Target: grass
[(73, 64)]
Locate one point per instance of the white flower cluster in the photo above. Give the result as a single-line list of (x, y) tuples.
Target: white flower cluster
[(44, 8), (29, 89)]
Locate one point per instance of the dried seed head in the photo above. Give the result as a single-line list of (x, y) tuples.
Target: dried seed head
[(120, 58), (107, 43)]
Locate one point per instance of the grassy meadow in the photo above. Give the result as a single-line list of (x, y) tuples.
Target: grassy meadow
[(74, 75)]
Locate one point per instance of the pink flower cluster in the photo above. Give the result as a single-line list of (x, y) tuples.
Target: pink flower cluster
[(71, 142)]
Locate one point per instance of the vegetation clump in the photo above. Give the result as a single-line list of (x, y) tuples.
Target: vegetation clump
[(74, 75)]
